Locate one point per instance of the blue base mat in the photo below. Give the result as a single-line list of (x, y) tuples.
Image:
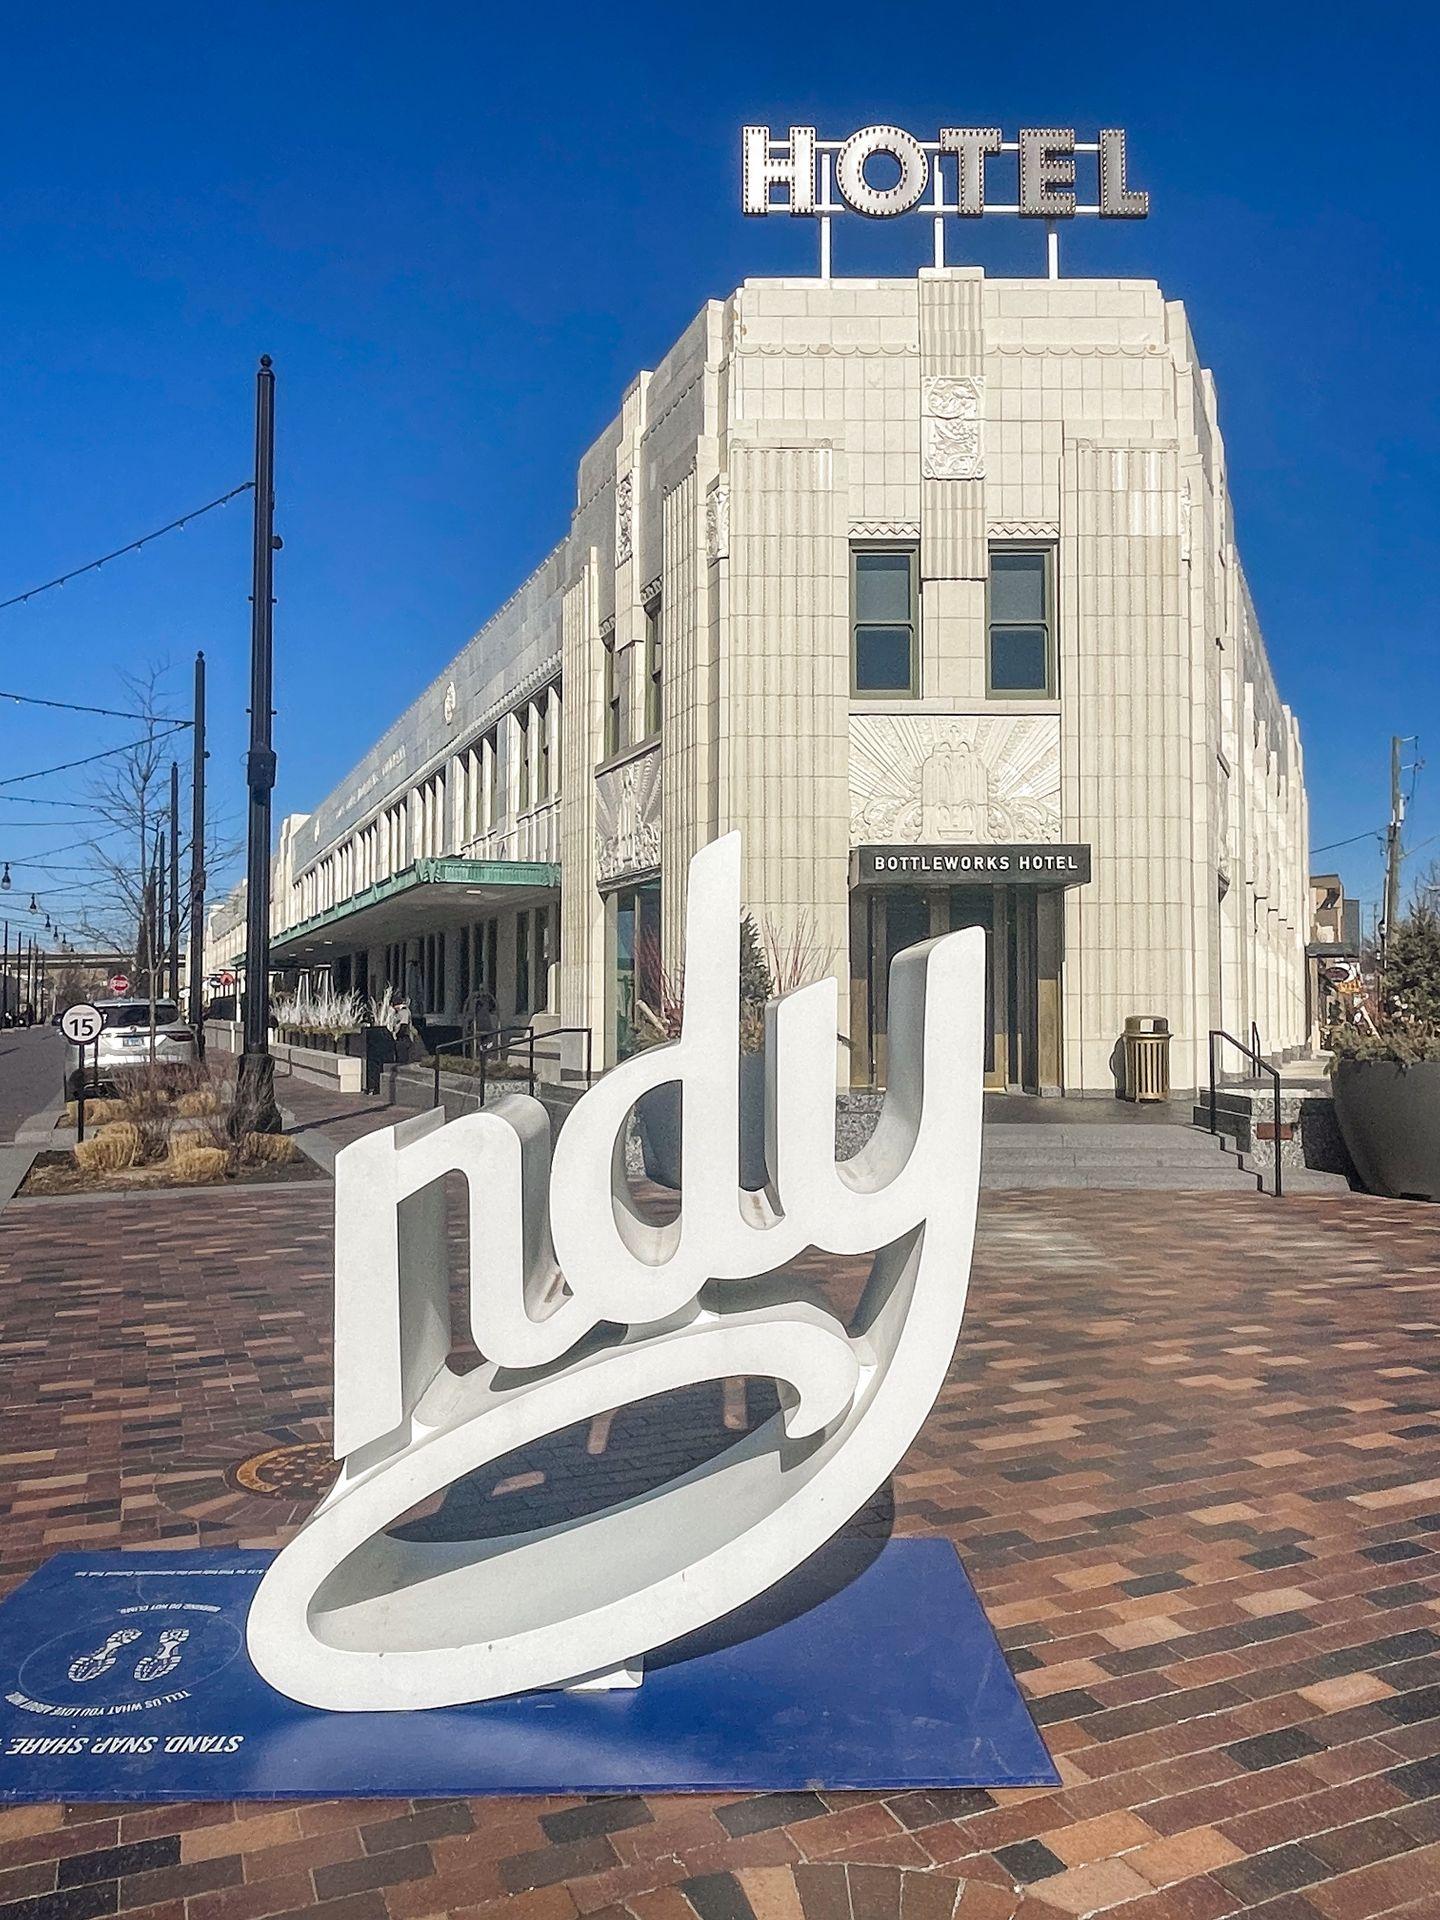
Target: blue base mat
[(867, 1669)]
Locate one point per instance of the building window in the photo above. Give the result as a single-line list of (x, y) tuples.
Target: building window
[(524, 722), (614, 714), (653, 670), (543, 955), (633, 938), (490, 748), (522, 965), (542, 746), (1022, 652), (884, 656)]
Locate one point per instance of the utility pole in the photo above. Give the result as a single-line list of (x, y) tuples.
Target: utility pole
[(157, 937), (157, 922), (255, 1078), (1394, 851), (197, 859), (174, 927)]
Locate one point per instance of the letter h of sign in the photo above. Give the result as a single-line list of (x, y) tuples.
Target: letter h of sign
[(760, 169), (580, 1305)]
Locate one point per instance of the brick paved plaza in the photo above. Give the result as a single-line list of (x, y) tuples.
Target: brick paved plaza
[(1187, 1450)]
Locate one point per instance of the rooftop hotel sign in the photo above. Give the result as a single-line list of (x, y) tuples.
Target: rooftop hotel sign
[(883, 171)]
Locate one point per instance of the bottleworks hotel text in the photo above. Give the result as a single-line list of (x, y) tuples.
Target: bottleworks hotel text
[(930, 587)]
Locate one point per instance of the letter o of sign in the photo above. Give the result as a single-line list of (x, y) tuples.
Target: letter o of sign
[(880, 202)]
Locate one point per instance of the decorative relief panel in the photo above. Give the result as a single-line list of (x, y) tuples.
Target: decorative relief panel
[(970, 777), (624, 518), (952, 409), (717, 521), (1024, 529), (884, 529), (627, 818)]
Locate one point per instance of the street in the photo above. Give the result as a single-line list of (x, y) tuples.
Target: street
[(31, 1062)]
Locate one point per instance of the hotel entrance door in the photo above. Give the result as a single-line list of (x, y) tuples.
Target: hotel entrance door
[(1022, 1001)]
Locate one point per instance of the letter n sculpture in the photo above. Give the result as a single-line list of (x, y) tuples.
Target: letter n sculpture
[(579, 1305)]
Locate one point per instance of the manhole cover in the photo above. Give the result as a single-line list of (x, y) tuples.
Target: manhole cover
[(287, 1473)]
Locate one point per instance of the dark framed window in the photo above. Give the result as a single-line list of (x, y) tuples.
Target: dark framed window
[(542, 743), (1020, 658), (614, 716), (543, 955), (654, 669), (884, 597), (633, 938), (522, 965), (491, 749)]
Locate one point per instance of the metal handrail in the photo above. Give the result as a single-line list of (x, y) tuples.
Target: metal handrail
[(500, 1043), (497, 1042), (1219, 1033)]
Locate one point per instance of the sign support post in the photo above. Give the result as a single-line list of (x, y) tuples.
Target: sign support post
[(81, 1025)]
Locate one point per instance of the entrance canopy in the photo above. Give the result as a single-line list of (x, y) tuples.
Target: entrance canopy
[(421, 898)]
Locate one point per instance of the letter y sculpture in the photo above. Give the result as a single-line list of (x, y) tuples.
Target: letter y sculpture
[(579, 1305)]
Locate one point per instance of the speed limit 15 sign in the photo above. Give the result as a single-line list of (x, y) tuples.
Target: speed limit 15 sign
[(82, 1024)]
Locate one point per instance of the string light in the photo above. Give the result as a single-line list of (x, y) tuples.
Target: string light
[(150, 740), (71, 706), (133, 546)]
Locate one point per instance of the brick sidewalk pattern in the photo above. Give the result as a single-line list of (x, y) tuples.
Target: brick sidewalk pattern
[(1187, 1449)]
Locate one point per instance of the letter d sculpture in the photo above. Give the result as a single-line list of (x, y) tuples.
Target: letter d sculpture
[(579, 1305)]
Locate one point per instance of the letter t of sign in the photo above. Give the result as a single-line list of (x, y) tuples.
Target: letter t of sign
[(971, 144), (761, 170)]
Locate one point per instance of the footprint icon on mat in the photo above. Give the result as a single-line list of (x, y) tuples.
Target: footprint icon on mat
[(90, 1666), (166, 1658)]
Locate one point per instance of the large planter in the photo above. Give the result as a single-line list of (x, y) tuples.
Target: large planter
[(657, 1121), (1389, 1117)]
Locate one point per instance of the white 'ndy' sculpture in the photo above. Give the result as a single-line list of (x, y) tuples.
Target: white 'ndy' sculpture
[(349, 1617)]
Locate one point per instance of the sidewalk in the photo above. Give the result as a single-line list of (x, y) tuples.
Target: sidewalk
[(1187, 1449), (323, 1120)]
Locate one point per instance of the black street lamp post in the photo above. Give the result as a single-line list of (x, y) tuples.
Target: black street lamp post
[(255, 1088)]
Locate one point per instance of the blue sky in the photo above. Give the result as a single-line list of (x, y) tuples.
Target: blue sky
[(460, 230)]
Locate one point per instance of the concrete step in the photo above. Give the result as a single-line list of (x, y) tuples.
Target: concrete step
[(1159, 1146), (1112, 1154), (1194, 1179)]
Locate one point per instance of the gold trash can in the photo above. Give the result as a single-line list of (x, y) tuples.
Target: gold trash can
[(1147, 1057)]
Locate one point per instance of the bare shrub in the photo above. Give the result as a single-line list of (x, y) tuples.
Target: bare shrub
[(162, 1079), (153, 1118), (113, 1148), (203, 1101), (198, 1163), (268, 1149), (97, 1112)]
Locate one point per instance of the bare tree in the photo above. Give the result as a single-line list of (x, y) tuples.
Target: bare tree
[(126, 793), (130, 795)]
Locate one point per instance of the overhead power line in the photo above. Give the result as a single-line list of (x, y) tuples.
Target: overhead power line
[(109, 753), (1376, 833), (110, 713), (132, 546)]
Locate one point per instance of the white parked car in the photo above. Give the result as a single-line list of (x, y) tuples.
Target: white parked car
[(125, 1041)]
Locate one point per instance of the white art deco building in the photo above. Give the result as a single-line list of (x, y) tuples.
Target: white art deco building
[(929, 586)]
